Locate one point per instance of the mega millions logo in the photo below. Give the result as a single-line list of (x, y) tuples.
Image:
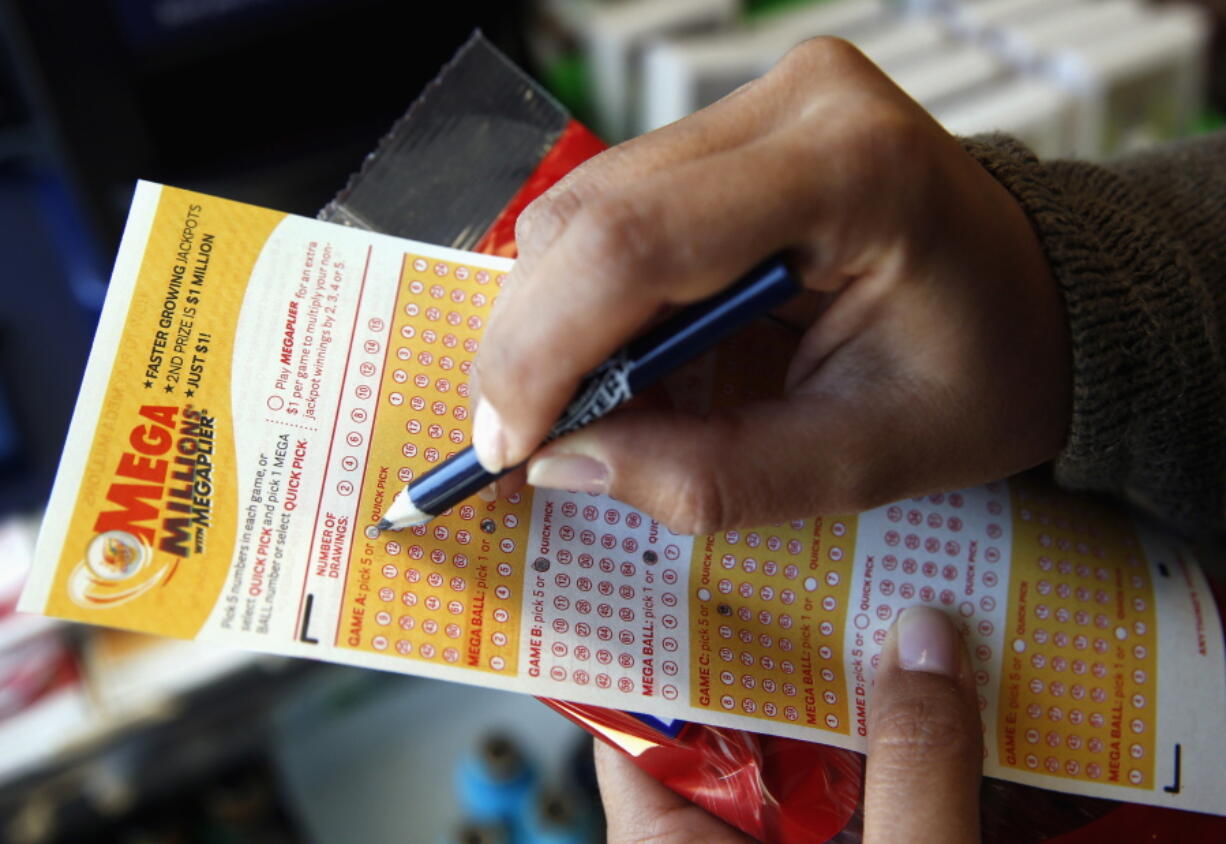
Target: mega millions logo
[(117, 568), (157, 512)]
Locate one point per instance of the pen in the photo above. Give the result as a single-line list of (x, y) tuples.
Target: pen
[(634, 367)]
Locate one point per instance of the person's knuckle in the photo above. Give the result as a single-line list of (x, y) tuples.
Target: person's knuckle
[(547, 216), (616, 231), (499, 367), (822, 53), (916, 731), (706, 499), (696, 507)]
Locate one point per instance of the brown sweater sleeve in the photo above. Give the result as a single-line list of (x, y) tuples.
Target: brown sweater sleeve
[(1138, 247)]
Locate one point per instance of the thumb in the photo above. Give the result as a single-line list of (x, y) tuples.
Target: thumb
[(638, 808), (754, 463), (925, 753)]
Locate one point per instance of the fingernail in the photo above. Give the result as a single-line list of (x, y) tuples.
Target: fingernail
[(569, 471), (489, 493), (927, 641), (488, 438)]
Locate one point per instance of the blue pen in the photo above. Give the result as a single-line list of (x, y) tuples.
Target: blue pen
[(636, 366)]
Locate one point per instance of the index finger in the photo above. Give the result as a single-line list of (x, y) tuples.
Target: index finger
[(678, 237)]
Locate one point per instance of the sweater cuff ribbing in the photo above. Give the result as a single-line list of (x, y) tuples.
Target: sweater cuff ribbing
[(1146, 391)]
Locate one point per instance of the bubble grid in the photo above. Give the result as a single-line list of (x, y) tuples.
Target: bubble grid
[(448, 592), (1079, 686)]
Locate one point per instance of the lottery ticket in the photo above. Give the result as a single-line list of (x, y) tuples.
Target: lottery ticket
[(261, 386)]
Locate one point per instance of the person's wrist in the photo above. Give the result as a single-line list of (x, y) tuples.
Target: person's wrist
[(1024, 304)]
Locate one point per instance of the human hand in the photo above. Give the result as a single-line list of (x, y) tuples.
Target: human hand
[(924, 756), (940, 360)]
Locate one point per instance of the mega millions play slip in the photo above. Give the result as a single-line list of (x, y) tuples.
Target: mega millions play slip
[(261, 385)]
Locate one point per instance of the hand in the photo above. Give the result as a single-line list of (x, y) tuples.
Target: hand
[(941, 359), (924, 758)]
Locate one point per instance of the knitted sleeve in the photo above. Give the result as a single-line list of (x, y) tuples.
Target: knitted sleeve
[(1138, 247)]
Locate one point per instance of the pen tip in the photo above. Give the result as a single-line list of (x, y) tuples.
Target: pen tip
[(384, 524)]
